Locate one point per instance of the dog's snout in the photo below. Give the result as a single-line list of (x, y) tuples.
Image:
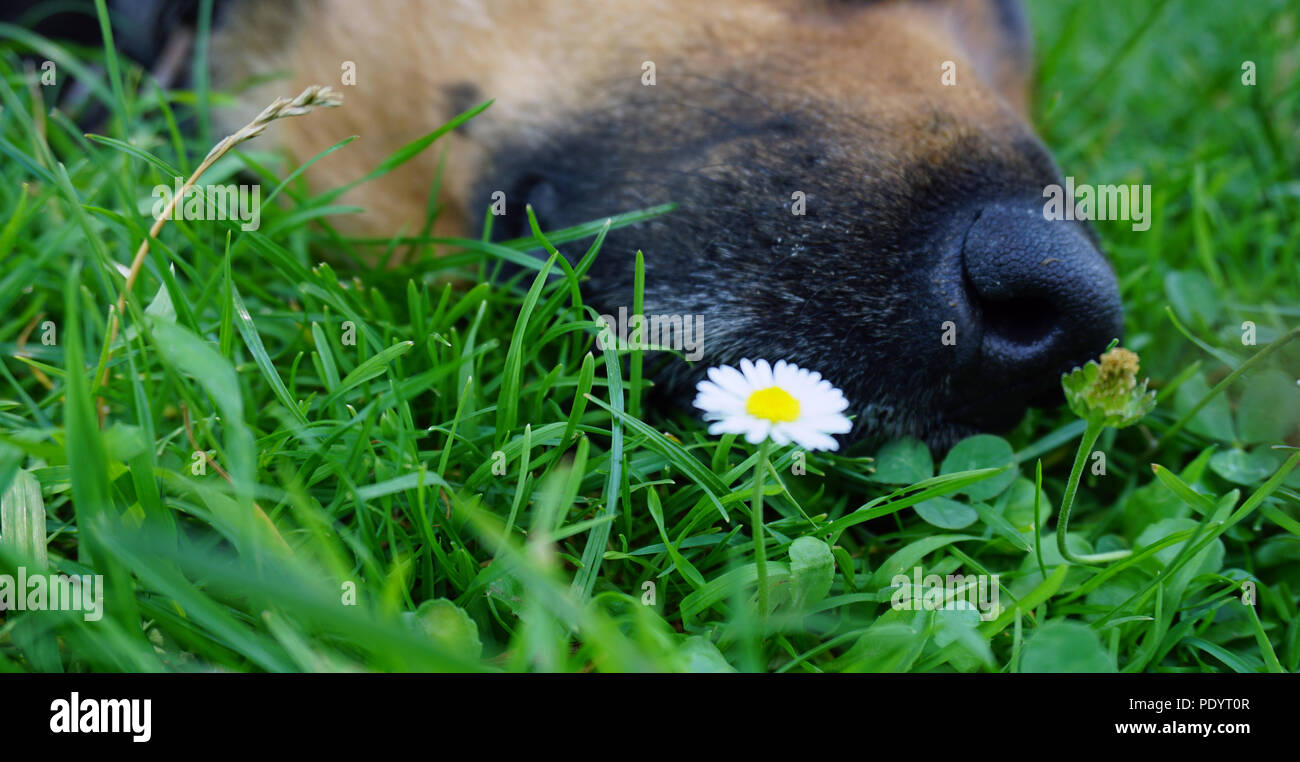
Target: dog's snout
[(1043, 294)]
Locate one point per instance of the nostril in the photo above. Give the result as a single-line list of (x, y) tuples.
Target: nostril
[(1028, 322), (1044, 295)]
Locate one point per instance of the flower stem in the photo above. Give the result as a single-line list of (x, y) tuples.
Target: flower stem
[(1090, 435), (760, 549)]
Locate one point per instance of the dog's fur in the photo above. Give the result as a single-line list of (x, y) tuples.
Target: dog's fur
[(753, 101)]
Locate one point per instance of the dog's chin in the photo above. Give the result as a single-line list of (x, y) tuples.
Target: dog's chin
[(939, 428), (952, 431), (939, 434), (987, 416)]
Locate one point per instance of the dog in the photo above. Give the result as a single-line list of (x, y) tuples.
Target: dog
[(857, 187)]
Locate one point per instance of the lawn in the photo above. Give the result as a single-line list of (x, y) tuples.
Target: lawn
[(287, 461)]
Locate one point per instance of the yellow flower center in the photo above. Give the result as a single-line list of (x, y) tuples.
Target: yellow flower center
[(774, 404)]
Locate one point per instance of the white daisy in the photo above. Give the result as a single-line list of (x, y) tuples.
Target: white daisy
[(783, 402)]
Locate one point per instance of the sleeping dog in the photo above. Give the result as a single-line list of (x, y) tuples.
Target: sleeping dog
[(857, 188)]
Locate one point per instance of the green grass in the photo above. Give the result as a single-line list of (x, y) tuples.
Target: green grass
[(471, 485)]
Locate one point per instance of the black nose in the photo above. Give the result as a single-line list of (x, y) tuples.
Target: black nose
[(1044, 297)]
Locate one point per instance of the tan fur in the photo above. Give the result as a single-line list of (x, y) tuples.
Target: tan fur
[(546, 61)]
